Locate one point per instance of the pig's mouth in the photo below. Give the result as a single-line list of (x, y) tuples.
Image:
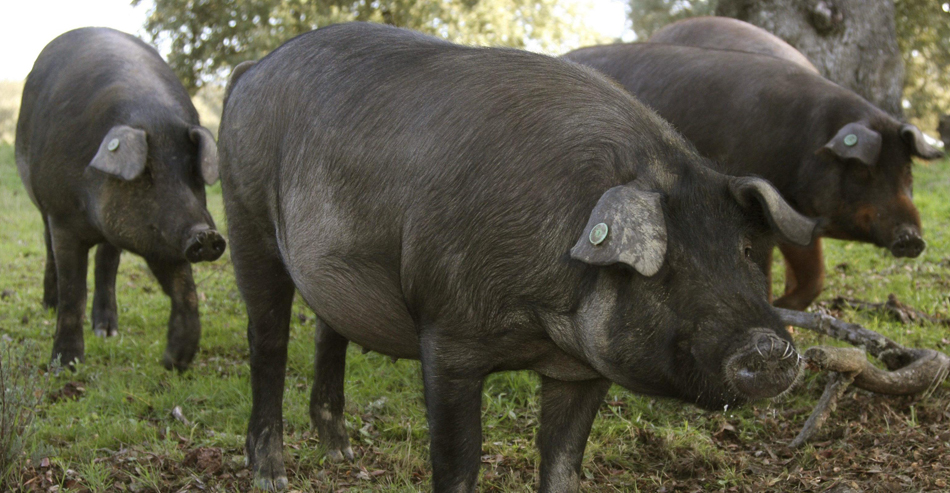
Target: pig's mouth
[(763, 369)]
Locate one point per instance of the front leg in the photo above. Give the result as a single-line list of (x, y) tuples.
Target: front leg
[(567, 413), (184, 326), (326, 397), (71, 260), (453, 396), (804, 275), (105, 318)]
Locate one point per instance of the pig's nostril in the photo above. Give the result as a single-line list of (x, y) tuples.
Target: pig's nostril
[(908, 245), (205, 245), (765, 369)]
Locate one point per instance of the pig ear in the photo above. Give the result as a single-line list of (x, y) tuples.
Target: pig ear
[(626, 226), (918, 146), (207, 153), (854, 141), (792, 226), (122, 153)]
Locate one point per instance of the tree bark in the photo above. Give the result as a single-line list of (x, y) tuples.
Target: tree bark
[(851, 42)]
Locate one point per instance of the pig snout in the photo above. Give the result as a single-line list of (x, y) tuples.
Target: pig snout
[(203, 244), (907, 242), (765, 368)]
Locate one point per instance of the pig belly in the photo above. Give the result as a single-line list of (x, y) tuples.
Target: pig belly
[(363, 304)]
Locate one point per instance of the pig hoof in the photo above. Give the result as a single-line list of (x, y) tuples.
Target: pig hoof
[(104, 330), (170, 363), (270, 484), (65, 359), (336, 455)]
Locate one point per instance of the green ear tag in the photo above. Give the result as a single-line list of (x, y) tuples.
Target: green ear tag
[(850, 140), (113, 145), (598, 233)]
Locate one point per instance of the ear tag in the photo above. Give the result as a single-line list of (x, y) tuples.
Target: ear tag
[(597, 234), (850, 140), (113, 145)]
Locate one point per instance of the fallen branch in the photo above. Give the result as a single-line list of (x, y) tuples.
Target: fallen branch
[(910, 371), (901, 312)]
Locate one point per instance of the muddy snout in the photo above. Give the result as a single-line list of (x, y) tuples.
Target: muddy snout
[(203, 244), (907, 242), (765, 368)]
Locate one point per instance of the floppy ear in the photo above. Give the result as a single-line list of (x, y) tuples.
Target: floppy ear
[(918, 146), (787, 222), (854, 141), (626, 226), (207, 153), (122, 153)]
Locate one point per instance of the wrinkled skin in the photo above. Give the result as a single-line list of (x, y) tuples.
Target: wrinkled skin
[(109, 149), (436, 202), (763, 115)]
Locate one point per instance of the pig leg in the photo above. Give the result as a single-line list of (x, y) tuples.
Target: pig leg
[(72, 261), (804, 275), (105, 318), (454, 404), (567, 413), (326, 397), (184, 326), (268, 293), (50, 290)]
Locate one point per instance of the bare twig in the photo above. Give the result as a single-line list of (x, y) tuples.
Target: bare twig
[(826, 405), (854, 334)]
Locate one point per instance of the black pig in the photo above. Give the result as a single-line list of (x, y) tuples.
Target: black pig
[(109, 149), (831, 154), (486, 210), (724, 33)]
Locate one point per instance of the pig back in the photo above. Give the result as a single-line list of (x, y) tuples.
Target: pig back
[(432, 165), (748, 114), (724, 33)]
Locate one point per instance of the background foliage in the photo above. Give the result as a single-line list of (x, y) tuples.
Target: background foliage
[(208, 37)]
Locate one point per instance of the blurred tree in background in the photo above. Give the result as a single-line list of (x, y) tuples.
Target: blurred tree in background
[(205, 38), (648, 16), (922, 31)]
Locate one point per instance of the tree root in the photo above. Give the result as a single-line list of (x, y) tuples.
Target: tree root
[(910, 371)]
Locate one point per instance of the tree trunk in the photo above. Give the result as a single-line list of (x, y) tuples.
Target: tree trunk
[(851, 42)]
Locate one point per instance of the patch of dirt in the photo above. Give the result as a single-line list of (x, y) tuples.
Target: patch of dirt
[(70, 391), (871, 444)]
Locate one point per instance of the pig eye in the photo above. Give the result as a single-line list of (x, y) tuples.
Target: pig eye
[(747, 248)]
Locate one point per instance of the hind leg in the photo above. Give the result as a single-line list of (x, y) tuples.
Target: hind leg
[(105, 318), (326, 397), (50, 289), (268, 293)]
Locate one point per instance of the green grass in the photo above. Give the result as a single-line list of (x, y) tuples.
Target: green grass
[(119, 432)]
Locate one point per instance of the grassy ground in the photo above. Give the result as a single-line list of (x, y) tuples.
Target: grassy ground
[(110, 426)]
